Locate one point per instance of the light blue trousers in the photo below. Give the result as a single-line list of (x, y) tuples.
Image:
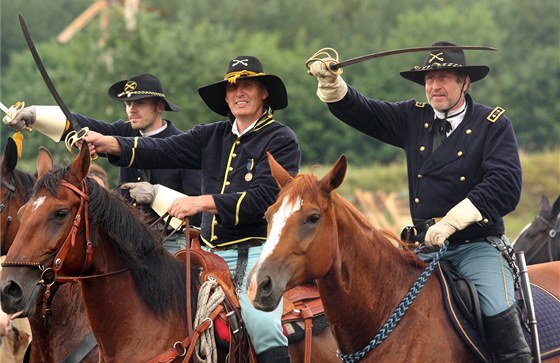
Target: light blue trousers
[(175, 243), (487, 268), (264, 328)]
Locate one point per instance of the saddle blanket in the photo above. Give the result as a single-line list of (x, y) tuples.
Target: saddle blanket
[(547, 309)]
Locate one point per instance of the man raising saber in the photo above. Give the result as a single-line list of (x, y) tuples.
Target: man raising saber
[(464, 176)]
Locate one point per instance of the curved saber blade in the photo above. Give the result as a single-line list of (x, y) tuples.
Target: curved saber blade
[(45, 75), (75, 125), (360, 59)]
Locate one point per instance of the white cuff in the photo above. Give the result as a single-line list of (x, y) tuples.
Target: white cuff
[(164, 197), (50, 121), (331, 91)]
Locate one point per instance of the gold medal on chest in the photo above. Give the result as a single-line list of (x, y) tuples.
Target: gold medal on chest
[(248, 177)]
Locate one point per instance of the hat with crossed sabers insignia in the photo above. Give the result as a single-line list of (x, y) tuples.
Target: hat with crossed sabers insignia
[(445, 59), (244, 66), (140, 87)]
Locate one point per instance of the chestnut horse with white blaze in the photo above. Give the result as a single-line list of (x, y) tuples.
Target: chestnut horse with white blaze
[(67, 333), (315, 234)]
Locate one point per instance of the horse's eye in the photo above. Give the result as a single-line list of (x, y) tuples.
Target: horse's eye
[(313, 218), (61, 213)]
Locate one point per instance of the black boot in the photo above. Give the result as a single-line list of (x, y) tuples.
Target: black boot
[(505, 337), (273, 355)]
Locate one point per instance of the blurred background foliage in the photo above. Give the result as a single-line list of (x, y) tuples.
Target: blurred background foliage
[(187, 45)]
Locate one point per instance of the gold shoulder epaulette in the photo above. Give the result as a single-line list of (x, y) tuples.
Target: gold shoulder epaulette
[(420, 104), (495, 114)]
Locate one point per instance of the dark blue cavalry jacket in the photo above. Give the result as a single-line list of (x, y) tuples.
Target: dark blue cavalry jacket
[(479, 160), (186, 181), (225, 161)]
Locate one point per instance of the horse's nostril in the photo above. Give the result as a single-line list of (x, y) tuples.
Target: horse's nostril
[(266, 285), (12, 289)]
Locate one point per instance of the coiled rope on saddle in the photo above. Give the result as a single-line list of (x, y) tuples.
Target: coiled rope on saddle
[(210, 297), (398, 313)]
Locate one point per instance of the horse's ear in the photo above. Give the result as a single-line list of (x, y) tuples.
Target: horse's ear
[(336, 175), (278, 172), (45, 162), (9, 159), (80, 167), (545, 204), (556, 206)]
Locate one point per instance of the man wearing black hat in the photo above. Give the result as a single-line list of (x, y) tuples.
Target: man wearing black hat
[(464, 175), (238, 186), (145, 102)]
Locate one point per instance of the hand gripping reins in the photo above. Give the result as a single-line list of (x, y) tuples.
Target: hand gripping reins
[(398, 313)]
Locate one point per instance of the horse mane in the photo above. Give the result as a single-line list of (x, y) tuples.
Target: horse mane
[(159, 277), (24, 182)]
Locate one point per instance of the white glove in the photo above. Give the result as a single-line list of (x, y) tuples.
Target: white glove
[(48, 120), (331, 87), (25, 117), (458, 218), (141, 192)]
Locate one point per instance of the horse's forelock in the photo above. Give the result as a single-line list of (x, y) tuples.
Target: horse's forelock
[(303, 185), (50, 181)]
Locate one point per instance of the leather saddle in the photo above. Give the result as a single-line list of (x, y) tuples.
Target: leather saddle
[(301, 304)]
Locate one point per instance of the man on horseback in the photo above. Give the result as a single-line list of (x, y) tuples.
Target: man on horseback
[(145, 102), (237, 183), (459, 189)]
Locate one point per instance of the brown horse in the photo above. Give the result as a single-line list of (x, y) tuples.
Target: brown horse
[(540, 239), (133, 288), (316, 234), (68, 324)]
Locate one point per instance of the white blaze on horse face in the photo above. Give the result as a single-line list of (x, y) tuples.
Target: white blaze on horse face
[(38, 202), (286, 210)]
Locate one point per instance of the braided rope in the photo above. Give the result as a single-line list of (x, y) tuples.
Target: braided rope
[(398, 313), (210, 296), (149, 93)]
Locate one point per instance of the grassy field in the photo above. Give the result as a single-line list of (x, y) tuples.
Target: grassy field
[(541, 176)]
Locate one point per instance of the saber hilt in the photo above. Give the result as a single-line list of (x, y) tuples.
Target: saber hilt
[(14, 110)]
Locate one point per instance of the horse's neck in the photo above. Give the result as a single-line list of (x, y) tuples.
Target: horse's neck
[(371, 276), (68, 325), (115, 310), (123, 326)]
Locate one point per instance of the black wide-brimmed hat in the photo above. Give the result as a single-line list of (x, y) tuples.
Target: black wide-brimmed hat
[(244, 66), (453, 59), (139, 87)]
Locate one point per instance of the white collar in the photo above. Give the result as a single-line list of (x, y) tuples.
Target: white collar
[(235, 130), (455, 119), (156, 131)]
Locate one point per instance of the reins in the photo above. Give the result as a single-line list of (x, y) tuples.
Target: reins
[(399, 312)]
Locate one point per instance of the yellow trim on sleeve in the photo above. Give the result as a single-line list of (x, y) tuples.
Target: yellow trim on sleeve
[(133, 151), (239, 207)]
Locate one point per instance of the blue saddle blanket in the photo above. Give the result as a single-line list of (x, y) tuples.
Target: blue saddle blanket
[(547, 310)]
